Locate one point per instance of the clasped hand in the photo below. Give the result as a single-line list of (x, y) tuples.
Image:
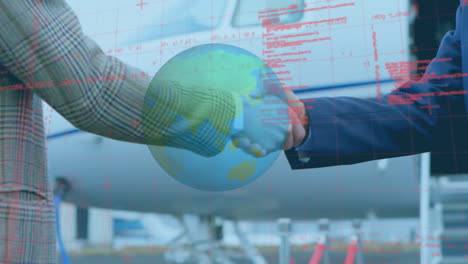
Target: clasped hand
[(271, 123)]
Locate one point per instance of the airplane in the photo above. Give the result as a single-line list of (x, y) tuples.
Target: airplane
[(117, 175)]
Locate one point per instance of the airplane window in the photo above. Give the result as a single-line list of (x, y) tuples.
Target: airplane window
[(248, 13)]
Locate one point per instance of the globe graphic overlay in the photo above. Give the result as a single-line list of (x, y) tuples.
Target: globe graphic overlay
[(221, 67)]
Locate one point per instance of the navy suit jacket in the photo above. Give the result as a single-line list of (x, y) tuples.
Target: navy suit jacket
[(429, 115)]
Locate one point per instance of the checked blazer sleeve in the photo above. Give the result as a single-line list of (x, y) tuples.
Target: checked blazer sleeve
[(42, 44)]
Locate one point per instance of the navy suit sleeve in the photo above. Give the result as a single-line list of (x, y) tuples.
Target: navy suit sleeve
[(418, 117)]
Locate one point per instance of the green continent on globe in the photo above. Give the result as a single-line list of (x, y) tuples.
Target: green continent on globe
[(217, 70), (243, 171)]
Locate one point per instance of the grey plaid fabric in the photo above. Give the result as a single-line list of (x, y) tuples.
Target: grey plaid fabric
[(44, 55)]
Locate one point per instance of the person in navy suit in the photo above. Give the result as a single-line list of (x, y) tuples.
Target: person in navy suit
[(429, 115)]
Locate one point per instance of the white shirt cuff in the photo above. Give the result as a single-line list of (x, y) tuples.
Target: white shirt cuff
[(238, 121)]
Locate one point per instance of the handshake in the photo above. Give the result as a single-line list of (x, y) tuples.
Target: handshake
[(271, 123)]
